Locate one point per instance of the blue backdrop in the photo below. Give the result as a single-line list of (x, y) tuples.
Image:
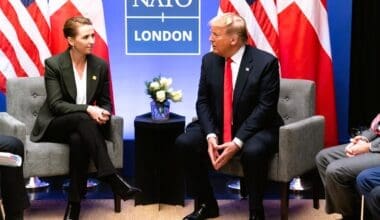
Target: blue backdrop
[(129, 72)]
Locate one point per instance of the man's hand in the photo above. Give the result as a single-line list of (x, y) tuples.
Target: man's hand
[(212, 150), (357, 147), (229, 149)]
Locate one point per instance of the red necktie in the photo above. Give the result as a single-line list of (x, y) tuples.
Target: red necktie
[(227, 101)]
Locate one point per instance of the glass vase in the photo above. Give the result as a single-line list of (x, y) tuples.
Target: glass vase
[(160, 111)]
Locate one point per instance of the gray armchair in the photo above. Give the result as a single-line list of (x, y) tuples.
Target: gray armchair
[(301, 138), (24, 99)]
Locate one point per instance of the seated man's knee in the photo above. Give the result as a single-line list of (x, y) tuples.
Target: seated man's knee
[(336, 173), (251, 155), (16, 146), (320, 158), (363, 182)]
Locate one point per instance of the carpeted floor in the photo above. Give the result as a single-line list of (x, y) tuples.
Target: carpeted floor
[(94, 209)]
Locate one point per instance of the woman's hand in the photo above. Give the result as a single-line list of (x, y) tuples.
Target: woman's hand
[(100, 115)]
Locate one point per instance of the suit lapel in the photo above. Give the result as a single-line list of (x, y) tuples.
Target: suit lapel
[(92, 77), (68, 74), (245, 69)]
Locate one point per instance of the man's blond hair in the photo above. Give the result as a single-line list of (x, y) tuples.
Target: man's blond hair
[(233, 23)]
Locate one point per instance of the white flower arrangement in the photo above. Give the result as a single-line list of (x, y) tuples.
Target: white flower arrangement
[(160, 90)]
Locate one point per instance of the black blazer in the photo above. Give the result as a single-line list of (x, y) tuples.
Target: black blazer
[(61, 90), (255, 95)]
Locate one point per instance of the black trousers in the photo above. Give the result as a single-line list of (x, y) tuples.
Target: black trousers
[(13, 192), (86, 140), (254, 156)]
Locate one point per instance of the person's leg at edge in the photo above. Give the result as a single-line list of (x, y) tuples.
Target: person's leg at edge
[(13, 192)]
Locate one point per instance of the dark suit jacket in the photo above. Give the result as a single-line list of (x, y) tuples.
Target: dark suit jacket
[(61, 90), (255, 95)]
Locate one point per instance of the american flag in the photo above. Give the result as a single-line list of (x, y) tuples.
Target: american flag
[(297, 33), (31, 31), (24, 39)]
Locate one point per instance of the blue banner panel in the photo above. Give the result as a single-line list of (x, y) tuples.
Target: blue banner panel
[(170, 27)]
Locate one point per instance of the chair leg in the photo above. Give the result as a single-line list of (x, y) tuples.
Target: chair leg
[(284, 200), (1, 210), (117, 202), (243, 188), (362, 208), (315, 189)]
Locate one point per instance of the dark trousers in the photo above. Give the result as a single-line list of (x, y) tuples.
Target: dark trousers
[(368, 183), (254, 156), (13, 192), (86, 140)]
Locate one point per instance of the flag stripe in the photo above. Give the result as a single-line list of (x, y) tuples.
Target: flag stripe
[(42, 24), (5, 65), (28, 33), (10, 66), (8, 36), (3, 81), (267, 23), (316, 13)]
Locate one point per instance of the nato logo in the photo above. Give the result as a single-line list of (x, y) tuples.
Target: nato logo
[(162, 27)]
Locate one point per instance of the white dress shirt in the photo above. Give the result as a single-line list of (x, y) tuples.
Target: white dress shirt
[(81, 85)]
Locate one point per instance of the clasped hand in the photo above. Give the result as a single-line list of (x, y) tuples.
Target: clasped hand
[(221, 154), (357, 146), (100, 115)]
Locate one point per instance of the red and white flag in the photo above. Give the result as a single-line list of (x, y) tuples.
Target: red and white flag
[(297, 33), (31, 31)]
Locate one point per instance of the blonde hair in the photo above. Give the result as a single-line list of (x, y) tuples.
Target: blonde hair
[(233, 23)]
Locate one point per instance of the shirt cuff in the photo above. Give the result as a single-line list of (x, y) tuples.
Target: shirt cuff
[(238, 142), (370, 149), (364, 138), (210, 135)]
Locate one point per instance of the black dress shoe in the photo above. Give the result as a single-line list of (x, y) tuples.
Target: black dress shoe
[(257, 215), (72, 211), (120, 187), (202, 213)]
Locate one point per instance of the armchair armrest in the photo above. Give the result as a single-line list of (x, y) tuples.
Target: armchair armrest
[(299, 143), (116, 136), (9, 125)]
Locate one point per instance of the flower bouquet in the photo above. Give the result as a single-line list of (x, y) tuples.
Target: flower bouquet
[(160, 90)]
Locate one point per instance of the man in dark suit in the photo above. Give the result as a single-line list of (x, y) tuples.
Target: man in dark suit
[(252, 129), (13, 192)]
